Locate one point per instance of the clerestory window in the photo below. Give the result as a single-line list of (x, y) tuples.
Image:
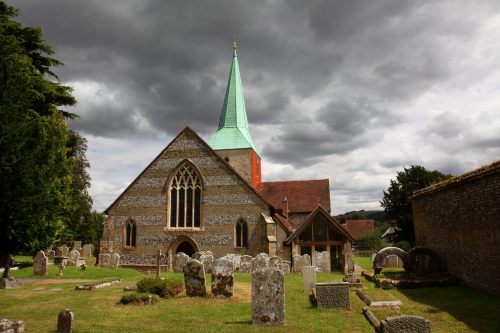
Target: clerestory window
[(185, 198), (241, 234), (131, 233)]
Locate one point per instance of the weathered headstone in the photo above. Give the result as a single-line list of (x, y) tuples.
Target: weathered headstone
[(40, 264), (65, 321), (59, 252), (105, 259), (235, 258), (397, 324), (333, 295), (309, 276), (207, 259), (77, 245), (300, 261), (268, 297), (222, 278), (194, 278), (246, 264), (197, 255), (180, 260), (87, 250), (285, 266), (73, 257), (10, 326), (115, 261), (260, 261), (322, 261), (275, 262), (65, 250), (51, 254)]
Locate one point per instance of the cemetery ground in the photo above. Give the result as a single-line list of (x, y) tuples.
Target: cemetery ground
[(450, 309)]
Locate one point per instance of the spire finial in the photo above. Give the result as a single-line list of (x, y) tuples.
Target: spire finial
[(234, 45)]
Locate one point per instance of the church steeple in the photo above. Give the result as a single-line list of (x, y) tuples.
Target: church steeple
[(233, 131)]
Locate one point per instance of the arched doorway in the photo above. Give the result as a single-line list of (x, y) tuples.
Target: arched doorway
[(185, 247)]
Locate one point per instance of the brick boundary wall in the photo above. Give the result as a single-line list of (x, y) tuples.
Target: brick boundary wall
[(460, 220)]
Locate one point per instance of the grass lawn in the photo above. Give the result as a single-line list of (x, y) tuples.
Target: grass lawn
[(365, 262), (452, 309)]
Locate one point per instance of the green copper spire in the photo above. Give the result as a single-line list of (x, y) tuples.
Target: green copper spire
[(233, 130)]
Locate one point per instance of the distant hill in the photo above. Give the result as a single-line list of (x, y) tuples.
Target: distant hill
[(377, 215)]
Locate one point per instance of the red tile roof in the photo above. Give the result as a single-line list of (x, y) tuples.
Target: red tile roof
[(303, 196), (284, 222), (359, 228)]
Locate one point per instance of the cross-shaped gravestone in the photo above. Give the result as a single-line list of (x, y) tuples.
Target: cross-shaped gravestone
[(159, 257)]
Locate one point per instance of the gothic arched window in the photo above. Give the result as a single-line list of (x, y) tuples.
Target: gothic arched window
[(131, 233), (241, 234), (185, 198)]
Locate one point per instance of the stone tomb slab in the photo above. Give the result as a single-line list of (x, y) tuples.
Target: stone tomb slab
[(333, 295), (410, 324)]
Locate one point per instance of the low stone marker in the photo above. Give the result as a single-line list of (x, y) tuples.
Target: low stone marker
[(51, 254), (115, 261), (73, 258), (322, 261), (333, 295), (222, 278), (268, 297), (410, 324), (180, 260), (194, 278), (246, 264), (65, 321), (40, 264), (260, 261), (10, 326), (104, 260), (309, 276), (77, 245)]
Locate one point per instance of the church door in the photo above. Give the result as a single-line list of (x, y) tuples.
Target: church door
[(185, 247)]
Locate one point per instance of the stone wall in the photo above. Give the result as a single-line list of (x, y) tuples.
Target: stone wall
[(460, 220), (226, 198)]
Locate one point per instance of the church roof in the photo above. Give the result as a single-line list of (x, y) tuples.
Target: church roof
[(359, 228), (303, 196), (233, 131)]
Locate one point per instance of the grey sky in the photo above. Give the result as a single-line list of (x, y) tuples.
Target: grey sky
[(352, 91)]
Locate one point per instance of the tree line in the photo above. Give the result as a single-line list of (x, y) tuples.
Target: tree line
[(43, 167)]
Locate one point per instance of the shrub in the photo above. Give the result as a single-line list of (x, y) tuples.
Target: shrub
[(163, 287), (403, 245), (136, 298)]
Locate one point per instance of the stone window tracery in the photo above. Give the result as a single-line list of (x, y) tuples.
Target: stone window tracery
[(241, 234), (131, 233), (185, 198)]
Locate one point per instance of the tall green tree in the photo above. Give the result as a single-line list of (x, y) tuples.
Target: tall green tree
[(397, 199), (35, 172)]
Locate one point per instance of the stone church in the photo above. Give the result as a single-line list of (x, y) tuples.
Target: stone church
[(200, 196)]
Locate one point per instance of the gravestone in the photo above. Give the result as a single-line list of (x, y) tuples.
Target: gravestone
[(285, 266), (275, 262), (73, 257), (222, 278), (410, 324), (87, 250), (268, 297), (51, 254), (65, 250), (207, 259), (260, 261), (40, 264), (115, 261), (65, 321), (322, 261), (10, 326), (246, 264), (180, 260), (197, 255), (300, 261), (59, 252), (235, 258), (333, 295), (309, 276), (77, 245), (194, 278), (105, 260)]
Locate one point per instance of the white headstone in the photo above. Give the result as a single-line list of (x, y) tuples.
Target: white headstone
[(309, 276), (73, 257)]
